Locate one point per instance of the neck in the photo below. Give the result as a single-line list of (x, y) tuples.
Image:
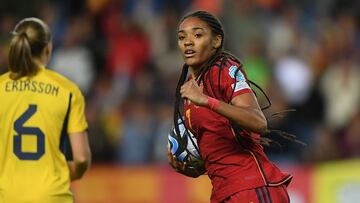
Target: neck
[(39, 62), (195, 72)]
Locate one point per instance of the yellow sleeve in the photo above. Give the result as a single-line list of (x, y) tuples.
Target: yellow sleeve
[(77, 121)]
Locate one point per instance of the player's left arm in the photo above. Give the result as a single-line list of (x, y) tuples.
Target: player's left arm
[(243, 109), (81, 155), (76, 128)]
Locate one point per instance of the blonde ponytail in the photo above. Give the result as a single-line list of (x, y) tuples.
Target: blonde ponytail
[(30, 37), (20, 57)]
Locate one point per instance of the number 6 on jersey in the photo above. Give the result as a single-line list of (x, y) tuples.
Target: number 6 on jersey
[(28, 131)]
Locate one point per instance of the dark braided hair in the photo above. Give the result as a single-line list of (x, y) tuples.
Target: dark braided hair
[(221, 59)]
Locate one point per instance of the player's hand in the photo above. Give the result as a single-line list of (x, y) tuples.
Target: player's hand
[(184, 168), (191, 90), (175, 163)]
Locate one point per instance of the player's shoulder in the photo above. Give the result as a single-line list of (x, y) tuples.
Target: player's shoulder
[(4, 76), (232, 65), (231, 69), (227, 64), (62, 81)]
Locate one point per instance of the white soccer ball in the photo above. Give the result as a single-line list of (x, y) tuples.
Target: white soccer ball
[(177, 144)]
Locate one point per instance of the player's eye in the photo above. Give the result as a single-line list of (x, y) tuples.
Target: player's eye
[(198, 35), (180, 37)]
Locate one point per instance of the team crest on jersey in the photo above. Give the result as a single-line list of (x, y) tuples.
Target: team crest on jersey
[(240, 79), (240, 86), (239, 75)]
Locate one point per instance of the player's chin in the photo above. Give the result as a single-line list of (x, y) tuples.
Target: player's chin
[(192, 62)]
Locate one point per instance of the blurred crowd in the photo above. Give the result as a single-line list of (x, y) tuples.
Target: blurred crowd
[(123, 55)]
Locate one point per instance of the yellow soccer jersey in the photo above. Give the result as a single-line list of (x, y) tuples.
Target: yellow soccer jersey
[(36, 114)]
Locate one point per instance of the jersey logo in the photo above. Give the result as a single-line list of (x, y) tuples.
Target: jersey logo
[(240, 86), (239, 75)]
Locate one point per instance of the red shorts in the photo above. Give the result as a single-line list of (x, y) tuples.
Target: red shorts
[(276, 194)]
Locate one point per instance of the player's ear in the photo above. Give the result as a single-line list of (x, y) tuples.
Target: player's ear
[(48, 50), (216, 42)]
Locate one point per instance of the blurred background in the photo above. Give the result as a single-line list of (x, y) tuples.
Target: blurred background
[(123, 55)]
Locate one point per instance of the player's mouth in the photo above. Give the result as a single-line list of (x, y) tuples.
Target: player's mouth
[(189, 53)]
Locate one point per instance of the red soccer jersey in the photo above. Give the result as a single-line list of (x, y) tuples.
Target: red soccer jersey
[(233, 164)]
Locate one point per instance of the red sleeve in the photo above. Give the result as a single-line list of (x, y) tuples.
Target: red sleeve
[(234, 82)]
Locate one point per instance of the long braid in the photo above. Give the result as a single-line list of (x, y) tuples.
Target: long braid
[(177, 113), (265, 140)]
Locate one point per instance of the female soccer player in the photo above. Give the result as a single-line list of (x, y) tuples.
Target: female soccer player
[(39, 110), (220, 109)]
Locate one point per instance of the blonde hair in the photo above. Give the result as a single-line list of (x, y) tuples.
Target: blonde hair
[(30, 37)]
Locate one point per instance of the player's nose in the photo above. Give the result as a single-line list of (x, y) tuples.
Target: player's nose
[(188, 42)]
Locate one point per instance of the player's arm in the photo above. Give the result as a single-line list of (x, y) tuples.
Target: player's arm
[(244, 109), (81, 155)]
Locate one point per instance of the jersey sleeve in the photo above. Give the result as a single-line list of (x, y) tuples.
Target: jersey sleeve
[(77, 121), (235, 82)]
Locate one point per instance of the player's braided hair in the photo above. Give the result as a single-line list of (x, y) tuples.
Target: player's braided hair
[(224, 58)]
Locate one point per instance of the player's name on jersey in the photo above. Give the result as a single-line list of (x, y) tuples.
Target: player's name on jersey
[(31, 86)]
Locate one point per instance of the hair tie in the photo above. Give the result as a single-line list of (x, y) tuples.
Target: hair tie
[(14, 33), (24, 34)]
